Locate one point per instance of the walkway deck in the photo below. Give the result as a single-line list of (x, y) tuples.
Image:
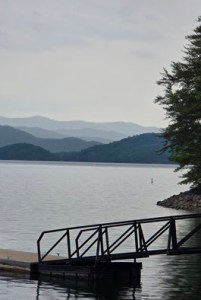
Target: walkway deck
[(20, 261)]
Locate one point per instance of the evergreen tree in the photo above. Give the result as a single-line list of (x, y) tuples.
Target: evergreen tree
[(182, 102)]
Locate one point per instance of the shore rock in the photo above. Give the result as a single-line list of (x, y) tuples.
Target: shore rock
[(189, 200)]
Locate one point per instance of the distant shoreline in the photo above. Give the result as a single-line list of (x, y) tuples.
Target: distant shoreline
[(80, 163)]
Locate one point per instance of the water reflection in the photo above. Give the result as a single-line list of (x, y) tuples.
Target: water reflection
[(13, 285), (110, 290), (182, 280), (176, 278), (183, 273)]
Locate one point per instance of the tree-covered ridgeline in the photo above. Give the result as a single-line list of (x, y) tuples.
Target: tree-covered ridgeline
[(182, 103), (137, 149)]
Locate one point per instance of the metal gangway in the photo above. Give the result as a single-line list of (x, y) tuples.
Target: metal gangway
[(117, 241)]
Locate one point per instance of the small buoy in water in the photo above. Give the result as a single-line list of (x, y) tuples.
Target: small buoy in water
[(152, 180)]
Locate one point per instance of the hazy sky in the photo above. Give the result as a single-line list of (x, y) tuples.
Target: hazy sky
[(95, 60)]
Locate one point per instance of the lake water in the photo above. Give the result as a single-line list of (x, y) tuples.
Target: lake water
[(40, 196)]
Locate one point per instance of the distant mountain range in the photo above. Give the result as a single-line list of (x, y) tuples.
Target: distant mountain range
[(104, 132), (138, 149), (88, 134), (10, 136), (39, 138)]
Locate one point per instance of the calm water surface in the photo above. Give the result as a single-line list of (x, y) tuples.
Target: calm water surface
[(40, 196)]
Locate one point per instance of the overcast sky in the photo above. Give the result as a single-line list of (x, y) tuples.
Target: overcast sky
[(93, 60)]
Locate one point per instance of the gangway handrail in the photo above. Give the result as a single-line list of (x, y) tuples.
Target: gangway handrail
[(99, 235)]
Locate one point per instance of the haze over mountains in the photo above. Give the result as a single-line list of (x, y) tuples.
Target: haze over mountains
[(91, 131), (10, 135), (53, 140)]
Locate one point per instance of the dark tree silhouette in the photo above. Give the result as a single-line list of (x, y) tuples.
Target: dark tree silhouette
[(182, 102)]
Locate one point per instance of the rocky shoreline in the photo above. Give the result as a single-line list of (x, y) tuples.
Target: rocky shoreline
[(189, 200)]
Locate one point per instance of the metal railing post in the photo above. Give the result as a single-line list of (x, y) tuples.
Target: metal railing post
[(68, 243), (38, 247), (107, 242), (39, 252), (172, 237), (136, 236), (99, 242)]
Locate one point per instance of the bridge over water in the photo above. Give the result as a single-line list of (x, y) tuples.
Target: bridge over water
[(116, 246)]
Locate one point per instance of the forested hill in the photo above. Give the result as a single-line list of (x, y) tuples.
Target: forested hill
[(137, 149), (23, 151)]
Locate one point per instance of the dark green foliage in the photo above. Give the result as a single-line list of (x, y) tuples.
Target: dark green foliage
[(138, 149), (182, 102), (24, 151)]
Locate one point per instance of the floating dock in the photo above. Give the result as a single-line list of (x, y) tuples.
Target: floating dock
[(20, 262), (95, 252), (104, 271)]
